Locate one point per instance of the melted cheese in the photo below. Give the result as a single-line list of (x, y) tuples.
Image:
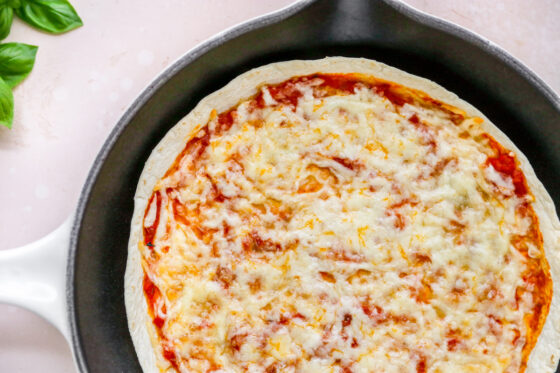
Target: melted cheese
[(345, 234)]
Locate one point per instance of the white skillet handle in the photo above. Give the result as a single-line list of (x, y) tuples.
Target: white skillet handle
[(34, 277)]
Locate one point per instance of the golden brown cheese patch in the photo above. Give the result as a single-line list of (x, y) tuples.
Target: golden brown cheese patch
[(337, 222)]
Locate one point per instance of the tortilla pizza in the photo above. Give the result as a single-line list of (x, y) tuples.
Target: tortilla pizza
[(341, 215)]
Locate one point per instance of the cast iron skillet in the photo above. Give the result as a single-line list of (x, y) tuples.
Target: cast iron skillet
[(385, 30)]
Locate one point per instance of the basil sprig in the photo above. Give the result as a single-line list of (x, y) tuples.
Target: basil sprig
[(17, 59)]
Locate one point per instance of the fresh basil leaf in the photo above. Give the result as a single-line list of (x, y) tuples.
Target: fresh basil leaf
[(6, 105), (11, 3), (6, 17), (55, 16), (16, 62)]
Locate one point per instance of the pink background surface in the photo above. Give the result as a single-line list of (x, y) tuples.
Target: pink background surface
[(84, 80)]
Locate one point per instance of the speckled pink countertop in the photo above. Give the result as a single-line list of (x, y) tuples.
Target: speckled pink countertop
[(84, 80)]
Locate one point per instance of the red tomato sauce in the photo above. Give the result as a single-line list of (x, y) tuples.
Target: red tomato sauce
[(505, 162), (341, 82), (150, 232), (537, 277), (153, 296), (225, 121), (287, 93)]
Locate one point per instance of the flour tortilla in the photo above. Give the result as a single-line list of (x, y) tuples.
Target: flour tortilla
[(545, 355)]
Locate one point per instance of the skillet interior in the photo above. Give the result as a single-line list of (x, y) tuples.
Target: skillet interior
[(511, 97)]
